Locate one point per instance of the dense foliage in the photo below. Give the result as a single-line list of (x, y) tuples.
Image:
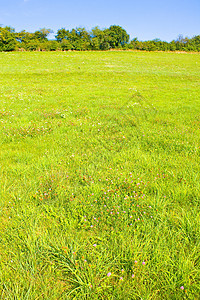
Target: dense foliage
[(114, 37)]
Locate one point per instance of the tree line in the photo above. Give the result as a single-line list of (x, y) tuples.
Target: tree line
[(114, 37)]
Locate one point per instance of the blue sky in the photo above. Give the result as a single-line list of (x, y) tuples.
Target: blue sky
[(144, 19)]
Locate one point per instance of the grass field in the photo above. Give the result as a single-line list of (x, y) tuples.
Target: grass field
[(99, 175)]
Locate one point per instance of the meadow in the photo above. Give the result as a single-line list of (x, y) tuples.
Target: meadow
[(99, 175)]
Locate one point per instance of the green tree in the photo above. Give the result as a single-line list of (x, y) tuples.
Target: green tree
[(7, 39), (50, 46), (98, 39), (66, 45), (24, 40), (78, 39), (41, 35), (118, 36), (62, 34), (24, 37), (194, 43), (173, 46), (82, 41)]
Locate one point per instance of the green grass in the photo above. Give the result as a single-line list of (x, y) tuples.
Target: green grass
[(99, 175)]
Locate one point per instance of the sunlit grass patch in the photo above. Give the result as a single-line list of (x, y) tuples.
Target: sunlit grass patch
[(99, 177)]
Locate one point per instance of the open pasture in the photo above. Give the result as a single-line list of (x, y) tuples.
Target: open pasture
[(99, 175)]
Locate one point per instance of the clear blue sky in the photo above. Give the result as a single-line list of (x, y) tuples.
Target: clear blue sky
[(145, 19)]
